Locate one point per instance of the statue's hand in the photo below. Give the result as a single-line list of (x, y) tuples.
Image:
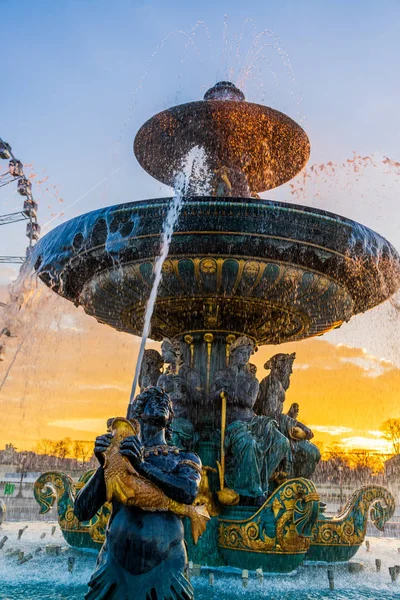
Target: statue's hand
[(100, 446), (132, 447)]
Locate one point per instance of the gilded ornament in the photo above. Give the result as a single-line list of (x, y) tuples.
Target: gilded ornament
[(299, 501), (349, 527), (208, 266)]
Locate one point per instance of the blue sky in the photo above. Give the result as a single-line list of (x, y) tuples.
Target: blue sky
[(78, 79)]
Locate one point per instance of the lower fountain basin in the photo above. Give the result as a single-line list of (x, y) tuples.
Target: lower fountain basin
[(276, 272)]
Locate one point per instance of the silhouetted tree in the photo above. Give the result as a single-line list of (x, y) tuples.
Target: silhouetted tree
[(391, 432), (82, 450)]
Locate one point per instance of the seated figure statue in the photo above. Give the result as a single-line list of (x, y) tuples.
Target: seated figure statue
[(270, 403), (151, 369), (144, 555), (182, 384), (253, 444)]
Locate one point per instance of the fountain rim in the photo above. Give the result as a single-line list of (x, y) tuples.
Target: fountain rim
[(303, 226), (222, 201)]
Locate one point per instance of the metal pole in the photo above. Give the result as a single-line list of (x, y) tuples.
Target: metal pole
[(223, 427)]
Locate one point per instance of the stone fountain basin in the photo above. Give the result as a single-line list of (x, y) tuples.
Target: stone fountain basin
[(274, 271)]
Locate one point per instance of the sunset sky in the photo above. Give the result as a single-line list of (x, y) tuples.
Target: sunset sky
[(78, 81)]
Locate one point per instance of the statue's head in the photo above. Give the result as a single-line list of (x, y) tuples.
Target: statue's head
[(241, 350), (153, 407), (171, 350), (152, 360), (282, 366)]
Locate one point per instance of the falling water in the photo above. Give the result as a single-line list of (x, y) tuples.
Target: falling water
[(193, 174)]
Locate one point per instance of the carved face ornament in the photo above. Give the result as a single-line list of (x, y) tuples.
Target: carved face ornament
[(208, 266)]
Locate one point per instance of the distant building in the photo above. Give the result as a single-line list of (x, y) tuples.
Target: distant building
[(23, 468)]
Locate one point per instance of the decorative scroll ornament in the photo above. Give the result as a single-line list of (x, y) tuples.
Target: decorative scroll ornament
[(55, 485), (282, 525), (349, 526)]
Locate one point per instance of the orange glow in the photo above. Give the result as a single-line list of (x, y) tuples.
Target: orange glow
[(72, 374)]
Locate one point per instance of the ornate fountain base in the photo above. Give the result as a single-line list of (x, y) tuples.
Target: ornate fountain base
[(284, 532), (57, 486), (338, 538), (276, 538)]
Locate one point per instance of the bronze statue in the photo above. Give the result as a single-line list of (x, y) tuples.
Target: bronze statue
[(182, 384), (144, 555), (270, 403), (273, 388), (253, 441), (151, 369), (126, 486)]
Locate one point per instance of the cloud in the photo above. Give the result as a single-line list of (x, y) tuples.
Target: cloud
[(372, 365), (105, 386), (372, 368), (331, 429), (91, 425), (376, 433), (366, 443)]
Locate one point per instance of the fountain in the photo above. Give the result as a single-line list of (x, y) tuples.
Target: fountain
[(240, 272)]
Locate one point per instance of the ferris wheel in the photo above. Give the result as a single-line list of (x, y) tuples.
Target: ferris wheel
[(15, 174), (28, 212)]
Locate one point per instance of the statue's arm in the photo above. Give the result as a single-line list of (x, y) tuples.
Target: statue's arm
[(91, 497), (182, 483), (260, 401), (254, 389)]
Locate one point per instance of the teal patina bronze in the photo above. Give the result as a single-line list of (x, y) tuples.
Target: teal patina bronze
[(241, 272)]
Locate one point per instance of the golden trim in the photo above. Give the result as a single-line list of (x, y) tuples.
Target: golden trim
[(192, 256), (189, 340), (275, 551), (349, 527), (290, 512), (208, 338)]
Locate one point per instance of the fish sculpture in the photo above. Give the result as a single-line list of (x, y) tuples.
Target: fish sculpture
[(125, 485)]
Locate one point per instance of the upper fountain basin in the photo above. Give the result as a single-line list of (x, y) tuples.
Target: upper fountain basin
[(256, 147), (274, 271)]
